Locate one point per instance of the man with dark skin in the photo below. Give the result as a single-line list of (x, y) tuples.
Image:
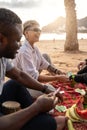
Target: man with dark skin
[(34, 115)]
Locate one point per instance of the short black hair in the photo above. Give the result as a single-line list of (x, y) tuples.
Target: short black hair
[(9, 17)]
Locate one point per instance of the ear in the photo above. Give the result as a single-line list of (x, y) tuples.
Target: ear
[(26, 34), (3, 39)]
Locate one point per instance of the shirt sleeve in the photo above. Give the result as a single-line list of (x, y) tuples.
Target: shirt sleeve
[(81, 78), (9, 65)]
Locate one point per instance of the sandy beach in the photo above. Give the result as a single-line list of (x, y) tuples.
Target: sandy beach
[(64, 61)]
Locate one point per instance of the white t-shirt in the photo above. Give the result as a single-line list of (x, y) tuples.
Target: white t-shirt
[(30, 60), (5, 65)]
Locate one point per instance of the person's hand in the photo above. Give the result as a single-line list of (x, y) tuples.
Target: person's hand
[(58, 94), (54, 91), (60, 97), (81, 65), (46, 102), (62, 78)]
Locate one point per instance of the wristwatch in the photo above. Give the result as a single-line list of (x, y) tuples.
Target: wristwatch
[(45, 87)]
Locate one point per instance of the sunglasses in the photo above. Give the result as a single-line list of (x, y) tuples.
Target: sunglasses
[(35, 29)]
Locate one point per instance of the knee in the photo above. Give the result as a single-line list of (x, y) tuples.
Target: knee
[(47, 57)]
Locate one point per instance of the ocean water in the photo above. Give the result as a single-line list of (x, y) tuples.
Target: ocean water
[(60, 36)]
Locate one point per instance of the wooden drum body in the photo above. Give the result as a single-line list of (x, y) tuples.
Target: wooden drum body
[(10, 107)]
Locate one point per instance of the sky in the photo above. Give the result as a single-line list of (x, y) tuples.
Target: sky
[(46, 11)]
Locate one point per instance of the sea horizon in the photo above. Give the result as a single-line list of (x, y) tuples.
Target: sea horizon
[(60, 36)]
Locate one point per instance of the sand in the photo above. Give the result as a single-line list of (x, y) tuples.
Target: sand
[(63, 61)]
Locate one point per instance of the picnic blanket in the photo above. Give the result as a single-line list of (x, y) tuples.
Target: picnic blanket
[(70, 97)]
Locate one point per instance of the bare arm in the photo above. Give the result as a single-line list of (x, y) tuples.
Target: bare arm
[(46, 78), (24, 79), (54, 70), (29, 82), (16, 120)]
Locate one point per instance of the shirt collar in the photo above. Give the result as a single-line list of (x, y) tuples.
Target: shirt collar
[(28, 45)]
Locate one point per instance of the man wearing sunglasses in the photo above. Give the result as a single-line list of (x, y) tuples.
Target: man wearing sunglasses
[(30, 60)]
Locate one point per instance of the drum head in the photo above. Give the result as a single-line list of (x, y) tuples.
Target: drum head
[(10, 107)]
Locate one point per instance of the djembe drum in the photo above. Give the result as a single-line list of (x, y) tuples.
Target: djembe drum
[(10, 107)]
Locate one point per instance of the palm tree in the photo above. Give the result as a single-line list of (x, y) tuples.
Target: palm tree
[(71, 43)]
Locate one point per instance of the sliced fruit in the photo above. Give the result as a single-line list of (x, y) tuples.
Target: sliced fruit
[(81, 114), (79, 103), (72, 113)]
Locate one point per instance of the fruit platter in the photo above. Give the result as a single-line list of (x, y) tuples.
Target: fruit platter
[(74, 105)]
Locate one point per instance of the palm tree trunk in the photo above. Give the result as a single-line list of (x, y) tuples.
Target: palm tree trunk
[(71, 43)]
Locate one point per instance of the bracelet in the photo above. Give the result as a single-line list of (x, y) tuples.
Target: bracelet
[(71, 77), (45, 87), (57, 71), (53, 70)]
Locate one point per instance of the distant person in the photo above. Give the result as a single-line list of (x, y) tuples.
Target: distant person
[(34, 114), (30, 60), (82, 64), (54, 40)]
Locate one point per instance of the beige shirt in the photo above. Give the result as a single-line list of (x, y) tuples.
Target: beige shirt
[(30, 60)]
